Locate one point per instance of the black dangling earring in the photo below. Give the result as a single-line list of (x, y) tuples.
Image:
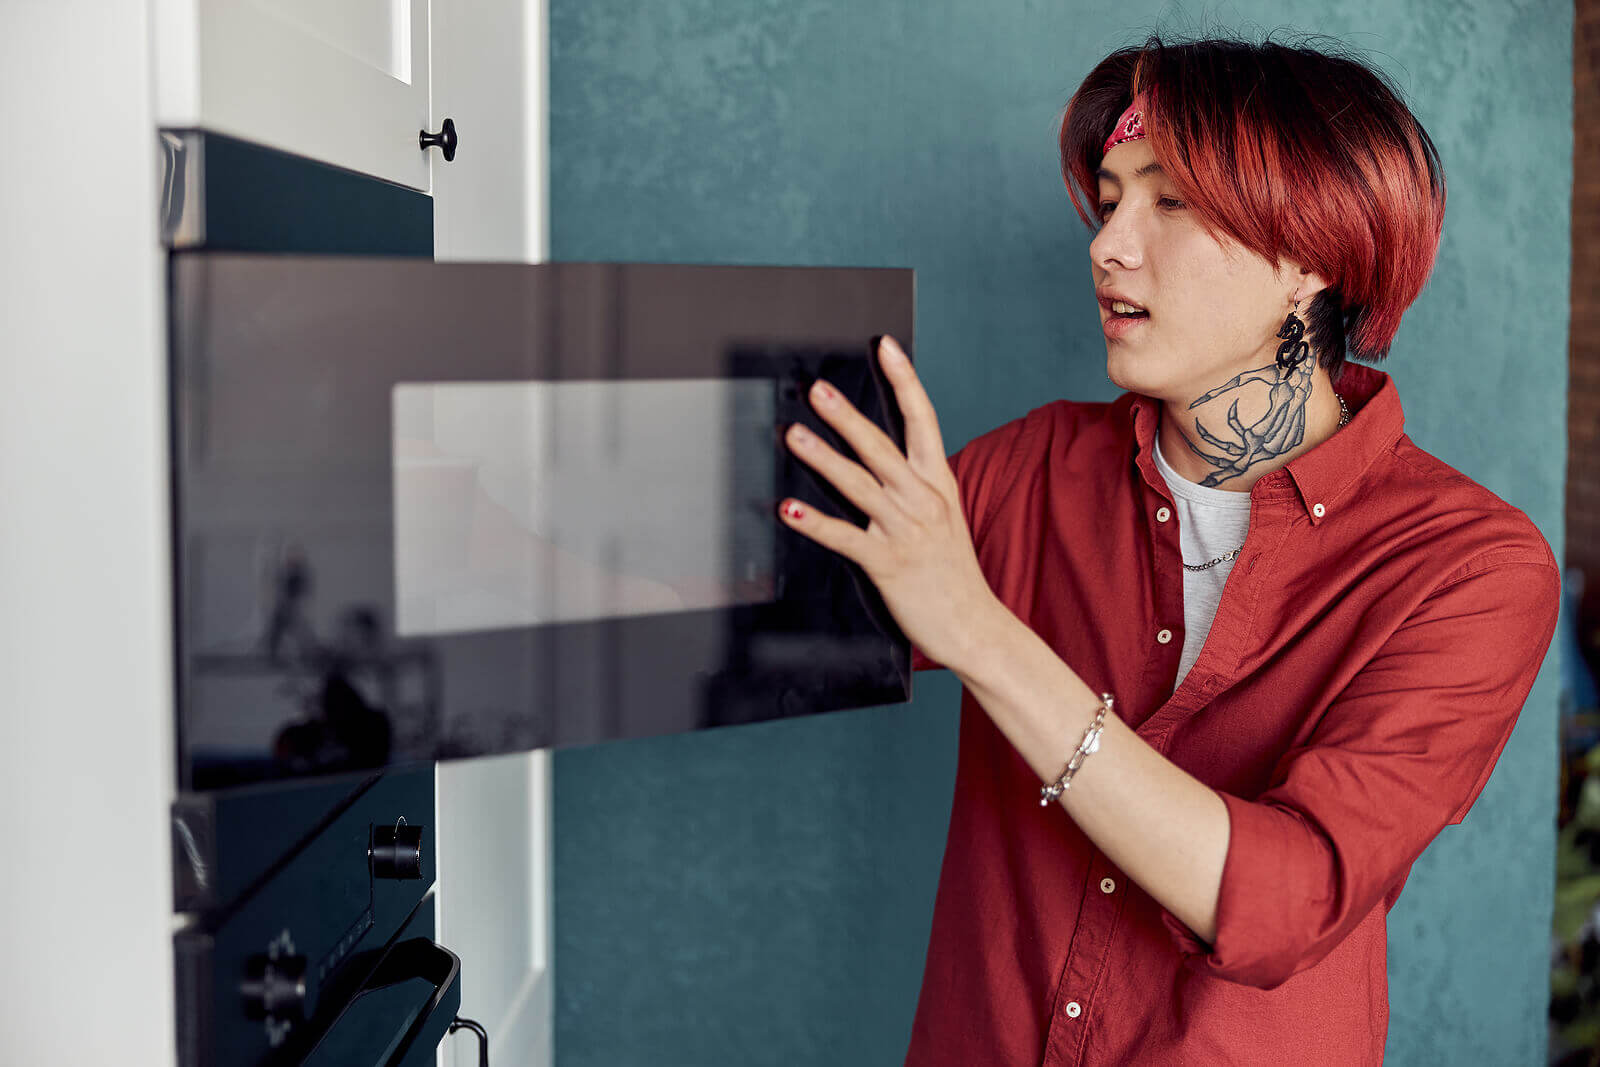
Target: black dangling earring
[(1294, 349)]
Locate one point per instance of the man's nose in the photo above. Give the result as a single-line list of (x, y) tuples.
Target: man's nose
[(1117, 244)]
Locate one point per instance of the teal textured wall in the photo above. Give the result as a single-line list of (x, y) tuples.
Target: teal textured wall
[(762, 894)]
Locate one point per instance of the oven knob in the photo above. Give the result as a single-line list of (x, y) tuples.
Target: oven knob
[(274, 988), (396, 851)]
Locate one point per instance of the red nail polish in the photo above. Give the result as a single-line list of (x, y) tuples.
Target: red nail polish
[(794, 510)]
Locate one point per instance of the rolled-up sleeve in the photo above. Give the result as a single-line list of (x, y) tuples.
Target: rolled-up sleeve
[(1403, 752)]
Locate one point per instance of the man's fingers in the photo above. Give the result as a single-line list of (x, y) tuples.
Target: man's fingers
[(924, 443), (845, 475), (878, 453), (845, 538)]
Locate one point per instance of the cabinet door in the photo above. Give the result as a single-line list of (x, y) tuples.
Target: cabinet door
[(344, 83)]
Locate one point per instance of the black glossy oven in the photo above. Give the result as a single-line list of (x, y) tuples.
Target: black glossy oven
[(311, 929)]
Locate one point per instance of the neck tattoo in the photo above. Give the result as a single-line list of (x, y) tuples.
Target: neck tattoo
[(1344, 417), (1281, 429)]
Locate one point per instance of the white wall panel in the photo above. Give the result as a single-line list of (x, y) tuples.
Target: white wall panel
[(86, 739), (493, 903)]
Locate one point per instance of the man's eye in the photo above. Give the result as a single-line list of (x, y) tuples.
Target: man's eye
[(1166, 201)]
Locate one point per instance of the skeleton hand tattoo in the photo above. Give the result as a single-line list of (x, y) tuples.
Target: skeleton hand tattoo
[(1281, 429)]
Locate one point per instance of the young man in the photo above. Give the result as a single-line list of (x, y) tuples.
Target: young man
[(1234, 650)]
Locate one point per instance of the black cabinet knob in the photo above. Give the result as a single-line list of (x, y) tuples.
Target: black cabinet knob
[(274, 988), (445, 140), (396, 851)]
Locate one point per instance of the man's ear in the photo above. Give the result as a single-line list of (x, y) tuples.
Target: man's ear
[(1310, 284)]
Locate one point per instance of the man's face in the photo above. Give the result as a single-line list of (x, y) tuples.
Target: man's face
[(1214, 308)]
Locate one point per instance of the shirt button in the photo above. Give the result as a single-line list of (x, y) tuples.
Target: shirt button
[(1107, 885), (1162, 514), (1163, 636), (1318, 510), (1073, 1009)]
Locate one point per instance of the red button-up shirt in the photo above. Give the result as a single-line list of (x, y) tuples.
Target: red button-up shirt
[(1373, 647)]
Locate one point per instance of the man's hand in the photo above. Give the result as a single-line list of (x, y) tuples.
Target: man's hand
[(916, 548)]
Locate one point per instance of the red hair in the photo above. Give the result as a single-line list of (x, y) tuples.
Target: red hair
[(1291, 152)]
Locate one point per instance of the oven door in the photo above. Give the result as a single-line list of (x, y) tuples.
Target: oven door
[(427, 510)]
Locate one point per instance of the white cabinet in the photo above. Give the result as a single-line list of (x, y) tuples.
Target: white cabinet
[(345, 83), (489, 205), (352, 83), (492, 904)]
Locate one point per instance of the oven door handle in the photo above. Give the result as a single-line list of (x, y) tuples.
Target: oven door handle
[(419, 957), (359, 1030)]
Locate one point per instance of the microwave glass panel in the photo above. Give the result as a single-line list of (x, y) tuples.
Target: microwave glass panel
[(528, 503)]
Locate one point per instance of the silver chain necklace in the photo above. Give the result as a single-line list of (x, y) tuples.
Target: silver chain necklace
[(1344, 417)]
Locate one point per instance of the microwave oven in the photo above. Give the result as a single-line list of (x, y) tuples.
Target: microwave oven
[(427, 510)]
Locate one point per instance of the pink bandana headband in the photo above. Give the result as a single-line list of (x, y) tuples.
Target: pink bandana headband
[(1130, 127)]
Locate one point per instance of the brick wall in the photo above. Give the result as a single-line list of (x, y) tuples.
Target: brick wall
[(1583, 414)]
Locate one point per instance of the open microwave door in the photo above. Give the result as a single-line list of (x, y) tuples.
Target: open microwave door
[(429, 510)]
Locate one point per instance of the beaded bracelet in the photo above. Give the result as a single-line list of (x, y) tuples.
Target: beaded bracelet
[(1090, 743)]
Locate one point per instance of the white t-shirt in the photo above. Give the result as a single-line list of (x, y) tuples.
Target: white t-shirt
[(1211, 523)]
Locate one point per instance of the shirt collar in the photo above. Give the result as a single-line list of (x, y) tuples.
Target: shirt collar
[(1323, 475)]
